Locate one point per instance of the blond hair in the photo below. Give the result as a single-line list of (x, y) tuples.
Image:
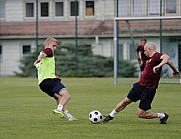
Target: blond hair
[(49, 40)]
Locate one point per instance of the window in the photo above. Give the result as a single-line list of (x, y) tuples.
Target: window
[(153, 7), (137, 7), (2, 9), (89, 8), (74, 8), (122, 8), (44, 9), (59, 9), (171, 6), (29, 9), (26, 50)]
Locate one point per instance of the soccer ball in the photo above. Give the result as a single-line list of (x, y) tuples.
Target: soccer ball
[(95, 116)]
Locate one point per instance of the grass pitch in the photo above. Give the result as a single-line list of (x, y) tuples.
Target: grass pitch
[(26, 112)]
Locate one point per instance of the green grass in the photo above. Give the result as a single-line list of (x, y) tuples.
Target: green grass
[(26, 112)]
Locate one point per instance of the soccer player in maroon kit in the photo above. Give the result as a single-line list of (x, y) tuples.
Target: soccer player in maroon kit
[(140, 54), (145, 89)]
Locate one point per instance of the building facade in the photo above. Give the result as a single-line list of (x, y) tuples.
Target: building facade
[(22, 20)]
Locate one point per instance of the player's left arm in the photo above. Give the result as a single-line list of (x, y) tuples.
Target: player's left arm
[(172, 66), (165, 58)]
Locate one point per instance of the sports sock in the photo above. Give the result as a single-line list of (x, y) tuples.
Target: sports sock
[(161, 115), (59, 107), (113, 113), (67, 114)]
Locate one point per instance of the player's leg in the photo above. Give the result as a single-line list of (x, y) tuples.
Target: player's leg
[(68, 114), (147, 97), (147, 115), (57, 111), (121, 105), (63, 99), (150, 115), (61, 93), (132, 96)]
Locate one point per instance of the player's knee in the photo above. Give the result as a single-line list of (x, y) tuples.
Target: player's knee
[(126, 101), (65, 94), (68, 96)]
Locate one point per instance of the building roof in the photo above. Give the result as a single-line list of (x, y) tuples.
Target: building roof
[(64, 28), (90, 28)]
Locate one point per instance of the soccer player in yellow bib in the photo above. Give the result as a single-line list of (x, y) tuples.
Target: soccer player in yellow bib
[(48, 82)]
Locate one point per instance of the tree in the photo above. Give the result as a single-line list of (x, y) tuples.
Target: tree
[(89, 65)]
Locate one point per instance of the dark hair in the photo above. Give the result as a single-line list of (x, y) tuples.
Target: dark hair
[(144, 39)]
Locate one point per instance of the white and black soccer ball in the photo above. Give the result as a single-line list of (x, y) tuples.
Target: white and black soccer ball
[(95, 116)]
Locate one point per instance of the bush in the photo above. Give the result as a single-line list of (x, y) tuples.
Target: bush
[(85, 64)]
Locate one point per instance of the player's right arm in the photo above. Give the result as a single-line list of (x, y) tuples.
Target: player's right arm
[(42, 55), (47, 52), (138, 55)]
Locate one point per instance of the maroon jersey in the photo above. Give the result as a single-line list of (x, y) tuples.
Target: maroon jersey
[(143, 56), (148, 78), (48, 51)]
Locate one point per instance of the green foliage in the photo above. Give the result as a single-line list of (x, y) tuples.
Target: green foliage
[(27, 68), (88, 65), (84, 63), (126, 68)]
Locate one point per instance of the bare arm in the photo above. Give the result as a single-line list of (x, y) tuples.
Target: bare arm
[(137, 56), (172, 66), (42, 55), (165, 58)]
